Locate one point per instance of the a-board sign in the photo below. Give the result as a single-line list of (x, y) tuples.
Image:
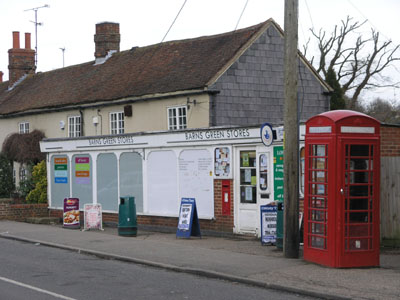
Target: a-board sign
[(71, 213), (268, 224), (188, 224), (93, 217)]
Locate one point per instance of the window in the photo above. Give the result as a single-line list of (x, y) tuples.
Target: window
[(24, 127), (74, 126), (248, 177), (177, 118), (117, 123), (263, 169), (22, 174)]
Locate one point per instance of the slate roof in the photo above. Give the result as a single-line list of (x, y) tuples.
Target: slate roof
[(161, 68)]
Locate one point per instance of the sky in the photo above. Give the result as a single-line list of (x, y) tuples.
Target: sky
[(70, 24)]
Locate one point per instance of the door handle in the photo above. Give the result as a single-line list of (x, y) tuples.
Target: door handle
[(341, 191)]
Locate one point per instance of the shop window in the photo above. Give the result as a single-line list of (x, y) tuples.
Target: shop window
[(131, 177), (107, 181), (74, 126), (177, 118), (263, 168), (248, 177), (117, 125), (162, 183), (23, 127)]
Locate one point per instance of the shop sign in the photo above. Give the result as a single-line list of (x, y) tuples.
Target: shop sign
[(215, 134), (266, 133), (278, 173)]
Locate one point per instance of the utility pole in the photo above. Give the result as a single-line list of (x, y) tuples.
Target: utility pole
[(35, 9), (291, 151)]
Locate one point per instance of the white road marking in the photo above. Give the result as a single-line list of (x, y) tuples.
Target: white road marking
[(35, 288)]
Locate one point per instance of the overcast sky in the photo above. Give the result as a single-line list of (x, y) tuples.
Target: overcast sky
[(70, 24)]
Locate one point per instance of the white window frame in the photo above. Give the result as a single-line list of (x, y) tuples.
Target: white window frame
[(74, 126), (178, 120), (23, 127), (117, 122), (23, 173)]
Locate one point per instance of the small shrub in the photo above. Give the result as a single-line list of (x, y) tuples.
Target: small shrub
[(39, 178), (6, 177)]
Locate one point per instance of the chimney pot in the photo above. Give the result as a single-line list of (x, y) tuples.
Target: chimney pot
[(20, 61), (27, 40), (15, 39)]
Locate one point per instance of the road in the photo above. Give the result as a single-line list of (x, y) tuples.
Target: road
[(32, 271)]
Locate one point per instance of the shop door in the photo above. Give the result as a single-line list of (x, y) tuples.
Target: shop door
[(360, 201), (247, 218)]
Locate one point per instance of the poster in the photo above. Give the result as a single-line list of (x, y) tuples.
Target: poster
[(222, 162), (249, 193), (82, 170), (247, 175), (268, 223), (184, 216), (60, 170), (71, 218), (93, 217), (245, 160)]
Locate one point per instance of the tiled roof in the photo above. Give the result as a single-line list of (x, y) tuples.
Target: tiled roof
[(161, 68)]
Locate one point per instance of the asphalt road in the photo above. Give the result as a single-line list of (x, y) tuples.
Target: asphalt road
[(29, 271)]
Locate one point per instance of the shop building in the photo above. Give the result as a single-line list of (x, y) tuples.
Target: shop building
[(228, 170)]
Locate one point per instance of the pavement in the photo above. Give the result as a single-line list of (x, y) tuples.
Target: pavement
[(233, 258)]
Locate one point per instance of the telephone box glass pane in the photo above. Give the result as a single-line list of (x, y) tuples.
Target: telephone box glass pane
[(318, 196), (358, 199)]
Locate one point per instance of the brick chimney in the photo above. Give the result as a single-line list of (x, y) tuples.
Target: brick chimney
[(20, 61), (1, 76), (107, 38)]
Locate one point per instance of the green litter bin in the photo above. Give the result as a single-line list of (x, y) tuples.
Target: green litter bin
[(279, 226), (127, 223)]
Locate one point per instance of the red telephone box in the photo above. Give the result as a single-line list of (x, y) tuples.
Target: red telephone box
[(341, 201)]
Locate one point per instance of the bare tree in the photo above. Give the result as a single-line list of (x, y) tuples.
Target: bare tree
[(384, 111), (358, 62)]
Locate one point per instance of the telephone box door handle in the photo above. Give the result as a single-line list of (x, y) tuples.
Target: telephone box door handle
[(341, 191)]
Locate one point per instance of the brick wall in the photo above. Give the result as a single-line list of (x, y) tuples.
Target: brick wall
[(220, 223), (390, 140), (20, 212)]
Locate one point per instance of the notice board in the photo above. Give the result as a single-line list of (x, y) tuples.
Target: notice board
[(196, 180)]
